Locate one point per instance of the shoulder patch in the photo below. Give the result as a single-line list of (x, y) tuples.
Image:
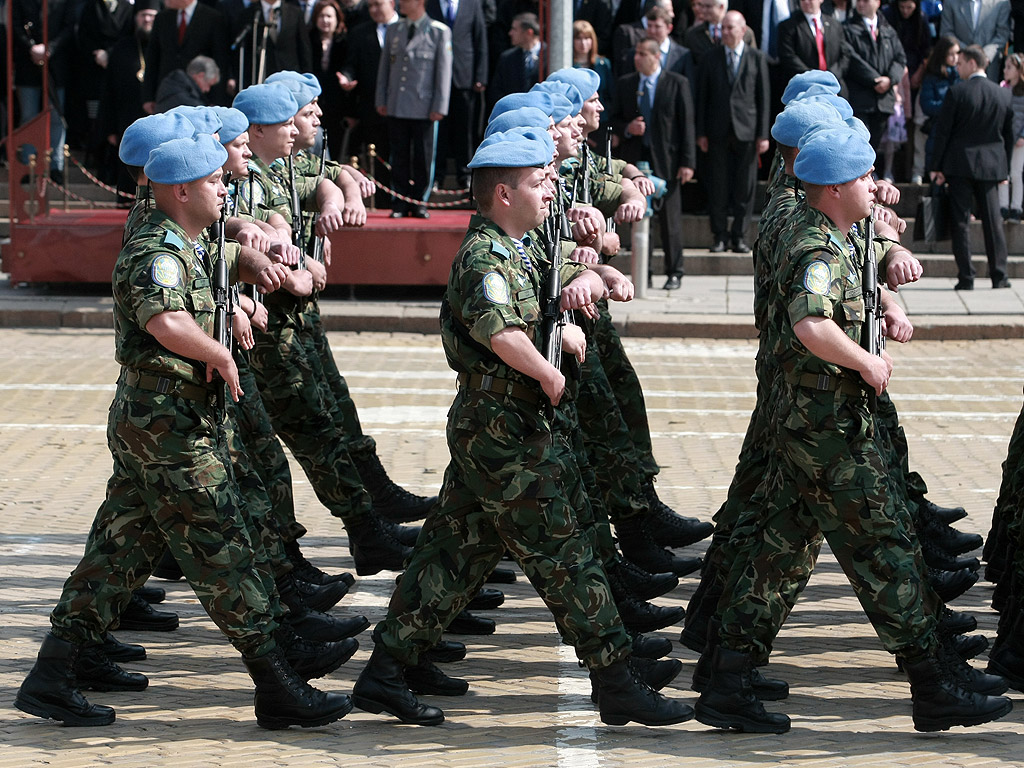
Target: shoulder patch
[(166, 271), (500, 249), (172, 239), (496, 288), (818, 278)]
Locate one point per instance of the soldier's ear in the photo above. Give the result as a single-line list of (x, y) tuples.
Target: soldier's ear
[(501, 194)]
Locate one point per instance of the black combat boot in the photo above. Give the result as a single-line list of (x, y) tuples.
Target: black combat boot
[(152, 595), (140, 616), (947, 515), (968, 646), (950, 539), (956, 622), (426, 678), (381, 687), (695, 630), (486, 599), (49, 691), (936, 556), (645, 647), (466, 623), (641, 583), (305, 571), (374, 547), (314, 625), (764, 688), (949, 585), (311, 660), (320, 597), (639, 615), (502, 576), (167, 567), (623, 696), (95, 672), (728, 700), (655, 673), (446, 651), (283, 698), (118, 651), (669, 528), (638, 545), (391, 500), (941, 700)]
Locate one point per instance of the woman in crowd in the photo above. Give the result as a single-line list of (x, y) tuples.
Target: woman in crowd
[(1011, 195), (328, 38), (915, 35), (940, 73), (586, 55)]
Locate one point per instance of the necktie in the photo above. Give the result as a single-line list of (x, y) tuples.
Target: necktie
[(819, 41), (716, 33), (522, 255), (412, 30), (182, 26), (773, 20), (451, 13), (646, 110), (976, 12), (381, 30), (874, 32), (732, 64)]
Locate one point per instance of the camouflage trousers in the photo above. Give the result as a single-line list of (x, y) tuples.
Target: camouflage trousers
[(293, 396), (627, 390), (171, 485), (504, 489), (1000, 545), (830, 480)]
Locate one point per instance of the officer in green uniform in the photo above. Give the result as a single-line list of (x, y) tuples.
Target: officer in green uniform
[(503, 488), (828, 458), (166, 434)]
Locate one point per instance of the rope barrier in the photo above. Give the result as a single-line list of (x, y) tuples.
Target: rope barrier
[(91, 203), (412, 201), (441, 192), (96, 181)]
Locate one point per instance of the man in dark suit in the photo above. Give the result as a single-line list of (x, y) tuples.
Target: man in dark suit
[(655, 122), (875, 67), (288, 42), (973, 141), (706, 34), (674, 57), (811, 40), (517, 68), (732, 127), (458, 134), (359, 77), (182, 31), (627, 34)]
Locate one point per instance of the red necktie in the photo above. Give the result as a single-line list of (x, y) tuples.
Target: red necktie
[(820, 42), (182, 26)]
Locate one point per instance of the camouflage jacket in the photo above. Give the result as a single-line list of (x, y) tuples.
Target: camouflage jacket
[(605, 193), (262, 193), (778, 210), (162, 270), (138, 213)]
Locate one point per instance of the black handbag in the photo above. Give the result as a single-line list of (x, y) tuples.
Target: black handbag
[(932, 220)]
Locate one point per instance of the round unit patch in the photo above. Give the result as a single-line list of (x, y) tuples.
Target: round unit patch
[(495, 288), (818, 278), (166, 271)]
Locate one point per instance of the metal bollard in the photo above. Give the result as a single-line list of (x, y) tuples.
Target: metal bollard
[(641, 243)]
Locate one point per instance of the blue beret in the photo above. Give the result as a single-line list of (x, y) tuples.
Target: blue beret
[(180, 161), (233, 123), (307, 79), (300, 91), (800, 83), (524, 117), (266, 104), (853, 123), (203, 118), (858, 125), (515, 148), (834, 156), (562, 89), (584, 80), (556, 106), (800, 117), (147, 133)]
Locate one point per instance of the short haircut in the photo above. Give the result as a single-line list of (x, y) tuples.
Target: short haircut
[(658, 12), (203, 65), (975, 54), (651, 46), (527, 21), (486, 179)]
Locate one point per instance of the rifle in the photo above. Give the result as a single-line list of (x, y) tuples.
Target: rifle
[(297, 229), (318, 242), (223, 306), (872, 338), (609, 222), (553, 318), (583, 195)]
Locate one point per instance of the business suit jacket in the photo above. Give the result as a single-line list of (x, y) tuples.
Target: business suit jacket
[(798, 51), (672, 130), (678, 60), (698, 40), (61, 29), (510, 76), (291, 51), (415, 76), (361, 65), (869, 59), (624, 40), (974, 131), (741, 106), (206, 35), (469, 42), (993, 24)]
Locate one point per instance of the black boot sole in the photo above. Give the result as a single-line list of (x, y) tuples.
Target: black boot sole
[(686, 715), (944, 724), (376, 707), (31, 706), (148, 626), (715, 719), (280, 723), (763, 694), (102, 687)]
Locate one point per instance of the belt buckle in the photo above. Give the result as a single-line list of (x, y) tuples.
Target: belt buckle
[(824, 380), (486, 382), (163, 385)]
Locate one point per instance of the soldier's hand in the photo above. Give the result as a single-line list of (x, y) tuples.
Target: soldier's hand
[(584, 255), (876, 372), (241, 329), (354, 214), (553, 384), (272, 277), (888, 215), (897, 325), (574, 341), (620, 287), (365, 185), (632, 211), (318, 272), (902, 267), (610, 243), (577, 295), (886, 193), (251, 235), (300, 282), (643, 185), (225, 366), (260, 316), (285, 253), (330, 220), (327, 251)]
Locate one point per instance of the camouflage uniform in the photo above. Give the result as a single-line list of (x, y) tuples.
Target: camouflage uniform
[(504, 487), (172, 481), (828, 458)]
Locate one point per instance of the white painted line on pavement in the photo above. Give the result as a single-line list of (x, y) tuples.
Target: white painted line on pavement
[(576, 740)]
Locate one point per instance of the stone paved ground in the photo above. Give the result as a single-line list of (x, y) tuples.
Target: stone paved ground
[(528, 704)]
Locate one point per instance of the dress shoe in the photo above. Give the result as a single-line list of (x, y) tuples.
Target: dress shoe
[(381, 687), (447, 651), (1004, 283), (672, 283), (718, 247), (964, 285), (398, 214), (141, 617), (740, 246), (420, 213), (466, 623)]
